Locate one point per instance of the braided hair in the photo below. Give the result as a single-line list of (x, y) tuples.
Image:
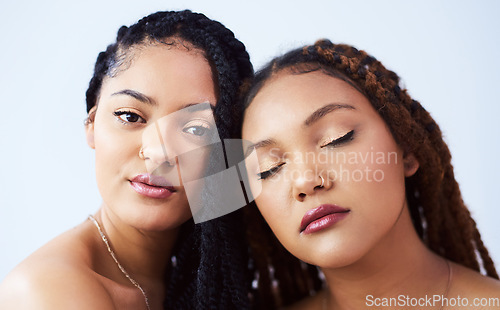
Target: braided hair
[(438, 213), (209, 262)]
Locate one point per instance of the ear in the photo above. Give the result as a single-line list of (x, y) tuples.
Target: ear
[(411, 164), (89, 127)]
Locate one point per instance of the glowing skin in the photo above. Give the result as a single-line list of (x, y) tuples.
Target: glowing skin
[(356, 227), (140, 215), (279, 112), (171, 80)]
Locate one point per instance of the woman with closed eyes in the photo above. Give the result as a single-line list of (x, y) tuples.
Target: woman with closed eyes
[(354, 178), (157, 92)]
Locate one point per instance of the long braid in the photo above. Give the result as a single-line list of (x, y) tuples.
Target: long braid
[(209, 259), (451, 230), (281, 279), (261, 240), (438, 212), (233, 257)]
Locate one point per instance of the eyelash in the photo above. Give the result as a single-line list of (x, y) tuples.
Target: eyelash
[(269, 173), (339, 141), (120, 113), (334, 143), (206, 129)]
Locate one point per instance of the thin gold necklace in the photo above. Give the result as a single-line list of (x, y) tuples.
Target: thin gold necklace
[(324, 305), (106, 242)]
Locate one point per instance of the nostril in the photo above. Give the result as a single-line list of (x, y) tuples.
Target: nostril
[(302, 195)]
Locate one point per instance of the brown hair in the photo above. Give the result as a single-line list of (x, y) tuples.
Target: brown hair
[(438, 212)]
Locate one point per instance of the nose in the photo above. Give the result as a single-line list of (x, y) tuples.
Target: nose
[(155, 150), (156, 155), (306, 182)]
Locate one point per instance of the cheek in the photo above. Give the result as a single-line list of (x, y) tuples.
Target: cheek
[(376, 168), (373, 165), (370, 179), (194, 172), (385, 173), (113, 149), (377, 187), (378, 197)]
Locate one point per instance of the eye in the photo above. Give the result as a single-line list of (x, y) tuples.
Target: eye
[(197, 128), (339, 141), (269, 173), (129, 117)]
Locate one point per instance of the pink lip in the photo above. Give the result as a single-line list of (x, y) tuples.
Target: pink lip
[(152, 186), (322, 217)]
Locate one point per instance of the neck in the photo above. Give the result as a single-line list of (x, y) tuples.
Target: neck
[(144, 255), (400, 264)]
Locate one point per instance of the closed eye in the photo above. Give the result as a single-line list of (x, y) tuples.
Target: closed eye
[(339, 141), (269, 173)]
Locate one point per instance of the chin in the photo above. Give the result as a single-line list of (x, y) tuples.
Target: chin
[(165, 223), (335, 261), (156, 218), (332, 256)]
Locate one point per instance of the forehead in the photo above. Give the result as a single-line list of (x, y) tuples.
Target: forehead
[(153, 66), (126, 55), (161, 53), (288, 99)]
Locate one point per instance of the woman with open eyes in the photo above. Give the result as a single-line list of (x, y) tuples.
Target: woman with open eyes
[(353, 177), (153, 96)]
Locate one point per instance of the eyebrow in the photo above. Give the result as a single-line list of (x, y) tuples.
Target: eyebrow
[(200, 106), (321, 112), (137, 95), (259, 144), (192, 107), (314, 117)]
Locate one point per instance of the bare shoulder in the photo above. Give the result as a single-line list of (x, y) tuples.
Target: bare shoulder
[(53, 287), (57, 276), (473, 286)]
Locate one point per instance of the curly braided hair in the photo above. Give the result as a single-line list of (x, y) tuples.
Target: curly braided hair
[(209, 263), (438, 212)]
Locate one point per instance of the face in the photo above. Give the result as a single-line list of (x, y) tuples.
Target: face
[(331, 173), (146, 116)]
